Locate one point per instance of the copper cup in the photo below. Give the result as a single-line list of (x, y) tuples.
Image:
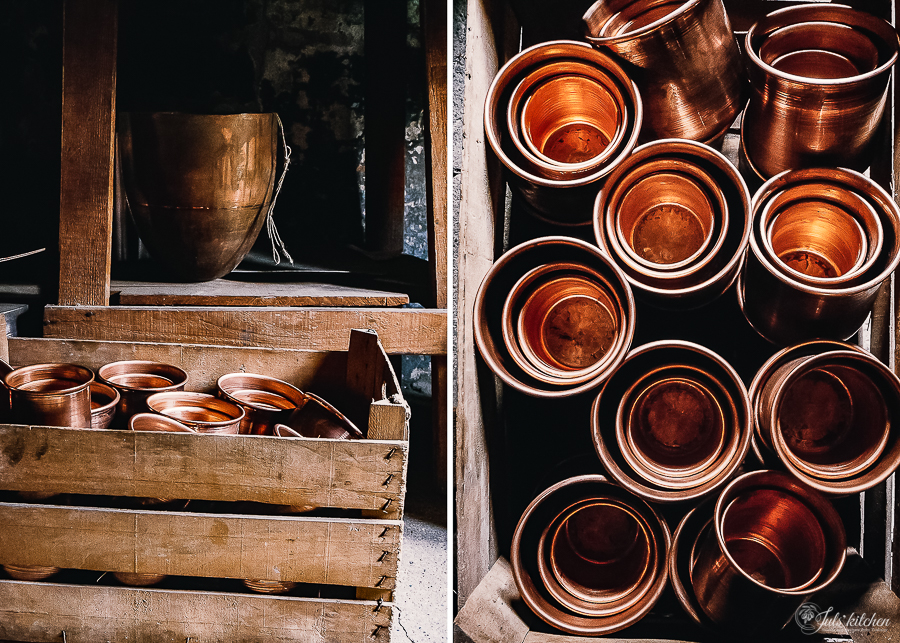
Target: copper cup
[(139, 580), (774, 543), (786, 309), (684, 59), (136, 380), (829, 418), (265, 400), (589, 516), (103, 405), (565, 199), (51, 394), (570, 337), (30, 572), (679, 199), (690, 532), (199, 411), (819, 90), (673, 423)]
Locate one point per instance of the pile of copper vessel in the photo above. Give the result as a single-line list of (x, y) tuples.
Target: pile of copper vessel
[(745, 466)]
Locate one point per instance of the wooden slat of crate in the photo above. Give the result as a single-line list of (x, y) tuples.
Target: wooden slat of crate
[(337, 551), (408, 331), (40, 612), (354, 474)]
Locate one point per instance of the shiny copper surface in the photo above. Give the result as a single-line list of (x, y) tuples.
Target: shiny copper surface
[(157, 422), (691, 531), (103, 405), (201, 412), (316, 418), (818, 89), (136, 380), (551, 192), (785, 309), (30, 572), (284, 431), (269, 586), (494, 297), (651, 167), (139, 580), (686, 439), (266, 400), (684, 58), (199, 186), (51, 395), (592, 537), (774, 543)]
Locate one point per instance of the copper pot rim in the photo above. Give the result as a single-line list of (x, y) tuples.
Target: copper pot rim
[(742, 420), (687, 267), (516, 108), (235, 412), (551, 613), (873, 250), (522, 62), (689, 530), (284, 431), (816, 502), (174, 426), (867, 189), (84, 373), (107, 391), (685, 8), (161, 369), (879, 471), (510, 329), (871, 23), (487, 343), (729, 442), (298, 397), (680, 147)]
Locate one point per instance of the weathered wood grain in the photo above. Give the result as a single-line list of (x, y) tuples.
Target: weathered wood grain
[(412, 331), (88, 149), (40, 612), (339, 551)]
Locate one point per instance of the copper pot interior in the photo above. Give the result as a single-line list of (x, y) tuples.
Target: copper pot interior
[(820, 50), (774, 538), (205, 413), (143, 375), (156, 422), (49, 378), (260, 392)]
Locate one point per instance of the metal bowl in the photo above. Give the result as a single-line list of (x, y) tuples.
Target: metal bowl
[(266, 401), (201, 412), (136, 380)]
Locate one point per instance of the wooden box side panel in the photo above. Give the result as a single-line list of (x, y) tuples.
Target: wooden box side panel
[(336, 551), (40, 612)]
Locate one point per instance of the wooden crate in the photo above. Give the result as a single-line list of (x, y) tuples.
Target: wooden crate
[(355, 550), (497, 470)]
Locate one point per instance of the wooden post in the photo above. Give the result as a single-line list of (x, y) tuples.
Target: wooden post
[(88, 151)]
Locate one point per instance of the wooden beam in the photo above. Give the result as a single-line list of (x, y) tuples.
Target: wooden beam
[(88, 151), (407, 330), (42, 611), (337, 551), (353, 474)]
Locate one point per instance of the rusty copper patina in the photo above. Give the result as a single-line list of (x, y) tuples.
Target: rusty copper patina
[(684, 59), (202, 412), (136, 380), (51, 395)]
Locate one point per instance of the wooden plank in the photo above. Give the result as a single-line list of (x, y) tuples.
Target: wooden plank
[(308, 370), (388, 421), (488, 616), (352, 474), (40, 612), (440, 417), (88, 150), (412, 331), (365, 376), (338, 551), (223, 292)]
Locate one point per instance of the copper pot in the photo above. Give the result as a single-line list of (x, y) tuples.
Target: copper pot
[(679, 199), (202, 412), (684, 59), (682, 556), (139, 580), (571, 336), (136, 380), (269, 586), (673, 422), (51, 395), (819, 89), (316, 418), (560, 199), (265, 400), (199, 186), (774, 543), (830, 419), (30, 572), (103, 405), (785, 309), (611, 527)]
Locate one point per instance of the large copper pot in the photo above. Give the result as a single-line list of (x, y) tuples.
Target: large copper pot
[(136, 380), (51, 394), (773, 543), (266, 401), (684, 59), (201, 412), (199, 186), (786, 308), (589, 536), (819, 75)]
